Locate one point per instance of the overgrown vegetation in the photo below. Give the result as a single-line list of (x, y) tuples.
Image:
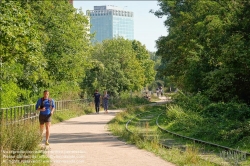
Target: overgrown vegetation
[(197, 117), (207, 47), (20, 143), (117, 127), (223, 123)]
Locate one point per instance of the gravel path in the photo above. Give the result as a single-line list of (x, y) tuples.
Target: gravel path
[(85, 141)]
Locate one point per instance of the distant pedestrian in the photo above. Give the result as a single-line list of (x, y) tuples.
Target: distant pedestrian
[(46, 106), (161, 90), (157, 92), (97, 101), (105, 101), (147, 96)]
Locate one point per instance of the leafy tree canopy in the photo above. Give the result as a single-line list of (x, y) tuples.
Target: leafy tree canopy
[(119, 65), (43, 44), (207, 48)]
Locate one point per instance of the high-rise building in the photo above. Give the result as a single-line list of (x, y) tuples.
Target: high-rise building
[(108, 22)]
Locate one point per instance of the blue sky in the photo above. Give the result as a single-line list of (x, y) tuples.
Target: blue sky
[(147, 27)]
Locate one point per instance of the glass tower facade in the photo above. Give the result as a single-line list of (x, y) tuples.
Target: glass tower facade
[(108, 22)]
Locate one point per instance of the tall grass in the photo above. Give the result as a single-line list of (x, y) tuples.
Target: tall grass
[(19, 143), (178, 119)]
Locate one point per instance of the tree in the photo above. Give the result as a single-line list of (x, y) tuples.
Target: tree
[(20, 45), (44, 44), (115, 67), (143, 56), (68, 47), (207, 47)]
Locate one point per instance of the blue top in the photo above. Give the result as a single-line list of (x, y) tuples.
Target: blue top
[(46, 103)]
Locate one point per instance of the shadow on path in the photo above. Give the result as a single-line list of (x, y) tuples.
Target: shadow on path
[(85, 137)]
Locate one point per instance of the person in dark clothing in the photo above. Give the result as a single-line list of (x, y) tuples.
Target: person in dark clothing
[(97, 101)]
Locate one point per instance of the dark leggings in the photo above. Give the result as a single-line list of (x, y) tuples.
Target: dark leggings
[(97, 106)]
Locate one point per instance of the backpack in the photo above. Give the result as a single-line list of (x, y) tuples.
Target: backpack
[(42, 100)]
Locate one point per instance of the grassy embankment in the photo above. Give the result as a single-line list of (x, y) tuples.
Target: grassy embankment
[(179, 119)]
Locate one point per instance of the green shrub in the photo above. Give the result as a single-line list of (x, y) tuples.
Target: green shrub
[(180, 120), (232, 110), (222, 123), (125, 101), (194, 102)]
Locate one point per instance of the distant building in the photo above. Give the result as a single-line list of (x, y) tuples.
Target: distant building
[(110, 21)]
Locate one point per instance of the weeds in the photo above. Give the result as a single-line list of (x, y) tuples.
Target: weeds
[(19, 144)]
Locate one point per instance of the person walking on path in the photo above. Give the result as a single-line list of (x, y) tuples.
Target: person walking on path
[(105, 101), (46, 106), (157, 92), (97, 101), (161, 91), (147, 96)]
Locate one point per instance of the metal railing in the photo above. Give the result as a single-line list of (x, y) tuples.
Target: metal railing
[(23, 113)]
